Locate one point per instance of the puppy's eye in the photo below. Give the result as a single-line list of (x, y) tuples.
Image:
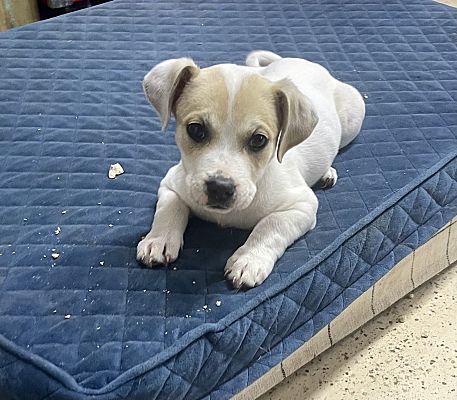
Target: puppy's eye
[(257, 142), (196, 131)]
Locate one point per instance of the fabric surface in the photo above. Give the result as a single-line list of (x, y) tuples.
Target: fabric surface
[(92, 323)]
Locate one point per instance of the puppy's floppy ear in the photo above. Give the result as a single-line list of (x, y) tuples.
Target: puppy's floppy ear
[(297, 118), (165, 82)]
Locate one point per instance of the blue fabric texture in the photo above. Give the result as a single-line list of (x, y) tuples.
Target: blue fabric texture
[(92, 323)]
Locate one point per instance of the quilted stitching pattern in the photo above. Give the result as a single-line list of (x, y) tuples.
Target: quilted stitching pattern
[(71, 104)]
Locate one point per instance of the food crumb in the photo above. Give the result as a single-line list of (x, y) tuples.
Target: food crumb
[(55, 255), (218, 303), (110, 225), (193, 282), (102, 263), (57, 231), (205, 307), (98, 328), (67, 316), (115, 170), (64, 211)]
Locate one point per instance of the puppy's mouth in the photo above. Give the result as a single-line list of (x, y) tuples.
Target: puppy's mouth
[(220, 208)]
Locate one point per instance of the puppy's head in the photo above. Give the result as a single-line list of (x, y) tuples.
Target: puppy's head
[(230, 124)]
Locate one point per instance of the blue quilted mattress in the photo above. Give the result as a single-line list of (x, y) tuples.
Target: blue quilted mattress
[(79, 317)]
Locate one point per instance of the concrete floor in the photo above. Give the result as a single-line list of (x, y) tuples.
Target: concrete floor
[(407, 352)]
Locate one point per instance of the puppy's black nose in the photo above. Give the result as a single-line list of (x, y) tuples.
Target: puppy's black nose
[(220, 191)]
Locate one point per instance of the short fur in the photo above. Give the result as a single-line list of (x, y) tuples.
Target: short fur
[(305, 113)]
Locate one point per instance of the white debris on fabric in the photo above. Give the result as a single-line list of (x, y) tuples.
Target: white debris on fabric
[(115, 170), (102, 263), (55, 256), (57, 231), (67, 316), (218, 303)]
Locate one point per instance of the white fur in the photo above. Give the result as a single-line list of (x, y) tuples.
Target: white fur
[(279, 204), (233, 78)]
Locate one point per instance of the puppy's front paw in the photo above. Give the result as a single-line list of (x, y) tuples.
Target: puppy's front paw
[(246, 269), (158, 250)]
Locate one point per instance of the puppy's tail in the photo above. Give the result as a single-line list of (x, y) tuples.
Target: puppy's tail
[(261, 58)]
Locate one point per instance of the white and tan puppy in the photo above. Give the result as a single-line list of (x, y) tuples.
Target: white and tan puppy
[(253, 140)]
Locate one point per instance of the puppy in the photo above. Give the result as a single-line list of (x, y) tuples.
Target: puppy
[(253, 140)]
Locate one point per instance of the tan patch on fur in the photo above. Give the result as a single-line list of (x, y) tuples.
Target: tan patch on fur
[(254, 110), (204, 100), (205, 96), (251, 109)]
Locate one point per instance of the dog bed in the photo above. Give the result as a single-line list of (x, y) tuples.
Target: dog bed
[(80, 318)]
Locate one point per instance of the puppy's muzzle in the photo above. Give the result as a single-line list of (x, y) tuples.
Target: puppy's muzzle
[(220, 191)]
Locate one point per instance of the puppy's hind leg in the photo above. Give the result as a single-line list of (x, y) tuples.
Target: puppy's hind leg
[(328, 180), (350, 107)]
